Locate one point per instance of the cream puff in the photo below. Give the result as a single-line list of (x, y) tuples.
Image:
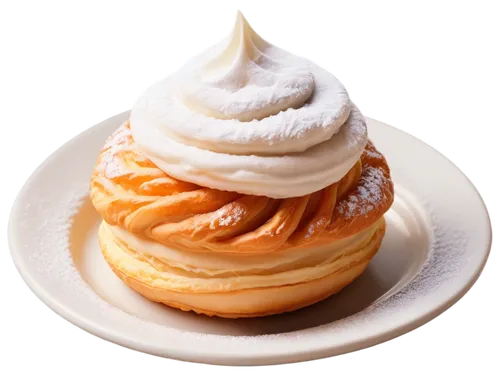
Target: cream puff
[(243, 185)]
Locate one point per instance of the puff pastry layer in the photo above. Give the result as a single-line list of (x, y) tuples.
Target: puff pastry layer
[(238, 296)]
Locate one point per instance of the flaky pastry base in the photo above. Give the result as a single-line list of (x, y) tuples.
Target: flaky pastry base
[(143, 277)]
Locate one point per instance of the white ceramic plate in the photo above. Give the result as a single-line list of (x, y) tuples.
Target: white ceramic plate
[(437, 242)]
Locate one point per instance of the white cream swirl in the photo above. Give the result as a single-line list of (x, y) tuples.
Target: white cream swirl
[(246, 116)]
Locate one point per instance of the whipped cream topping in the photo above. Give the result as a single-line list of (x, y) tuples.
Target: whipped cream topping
[(249, 117)]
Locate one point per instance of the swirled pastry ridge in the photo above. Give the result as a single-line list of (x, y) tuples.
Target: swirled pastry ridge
[(130, 192)]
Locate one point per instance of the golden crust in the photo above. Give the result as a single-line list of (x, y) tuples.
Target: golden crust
[(141, 276), (129, 191)]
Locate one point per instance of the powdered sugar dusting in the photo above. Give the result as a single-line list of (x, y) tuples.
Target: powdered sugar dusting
[(230, 218), (366, 196), (373, 154), (54, 233), (443, 263), (236, 214)]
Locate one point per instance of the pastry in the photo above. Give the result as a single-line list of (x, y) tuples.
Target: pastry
[(243, 185)]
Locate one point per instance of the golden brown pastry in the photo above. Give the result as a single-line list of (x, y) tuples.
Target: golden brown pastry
[(340, 228)]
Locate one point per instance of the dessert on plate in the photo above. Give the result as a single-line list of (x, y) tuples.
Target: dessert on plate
[(242, 185)]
